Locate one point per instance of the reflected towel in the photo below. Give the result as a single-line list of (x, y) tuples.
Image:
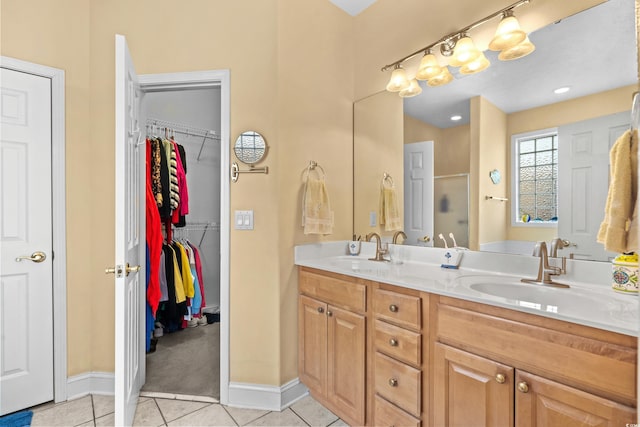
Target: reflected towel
[(619, 231), (317, 216), (389, 211)]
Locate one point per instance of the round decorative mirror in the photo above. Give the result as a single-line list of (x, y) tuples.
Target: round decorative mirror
[(250, 147)]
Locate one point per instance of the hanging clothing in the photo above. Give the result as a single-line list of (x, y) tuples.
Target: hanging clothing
[(162, 273), (173, 174), (183, 262), (196, 254), (153, 240)]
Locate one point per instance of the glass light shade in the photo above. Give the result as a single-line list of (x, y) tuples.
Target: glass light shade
[(518, 51), (429, 67), (464, 52), (508, 34), (398, 80), (479, 64), (441, 79), (413, 90)]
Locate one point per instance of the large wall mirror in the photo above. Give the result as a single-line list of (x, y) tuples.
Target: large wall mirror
[(593, 53)]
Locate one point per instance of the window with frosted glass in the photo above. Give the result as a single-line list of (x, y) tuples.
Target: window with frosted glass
[(537, 166)]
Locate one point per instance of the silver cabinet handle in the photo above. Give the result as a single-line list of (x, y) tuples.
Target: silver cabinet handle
[(35, 257)]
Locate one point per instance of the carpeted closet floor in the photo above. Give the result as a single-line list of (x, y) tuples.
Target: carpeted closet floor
[(186, 362)]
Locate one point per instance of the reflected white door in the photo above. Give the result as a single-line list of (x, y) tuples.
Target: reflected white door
[(129, 240), (418, 193), (583, 181), (26, 308)]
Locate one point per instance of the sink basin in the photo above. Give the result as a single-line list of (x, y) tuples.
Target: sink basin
[(360, 265), (532, 296)]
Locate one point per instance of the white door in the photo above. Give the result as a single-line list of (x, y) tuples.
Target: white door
[(583, 182), (418, 193), (26, 308), (130, 238)]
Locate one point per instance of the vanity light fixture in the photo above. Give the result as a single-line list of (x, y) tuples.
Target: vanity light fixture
[(509, 38), (479, 64), (413, 89), (508, 33), (399, 80), (518, 51), (429, 67), (464, 52)]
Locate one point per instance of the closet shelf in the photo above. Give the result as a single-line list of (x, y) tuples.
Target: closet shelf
[(174, 127)]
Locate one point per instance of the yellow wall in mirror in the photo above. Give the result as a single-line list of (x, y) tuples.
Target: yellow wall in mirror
[(378, 140)]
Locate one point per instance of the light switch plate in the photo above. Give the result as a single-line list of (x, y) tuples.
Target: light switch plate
[(243, 220)]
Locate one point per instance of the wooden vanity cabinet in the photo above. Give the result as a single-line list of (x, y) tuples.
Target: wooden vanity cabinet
[(332, 342), (493, 366)]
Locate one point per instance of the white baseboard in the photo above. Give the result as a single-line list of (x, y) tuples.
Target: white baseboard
[(266, 397), (90, 383)]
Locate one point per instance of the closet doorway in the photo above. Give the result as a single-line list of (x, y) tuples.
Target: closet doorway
[(191, 358)]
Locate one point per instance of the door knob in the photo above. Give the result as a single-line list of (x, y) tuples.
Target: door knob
[(567, 243), (425, 239), (133, 269), (37, 256)]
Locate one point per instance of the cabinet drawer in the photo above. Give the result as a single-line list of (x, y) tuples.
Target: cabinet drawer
[(387, 414), (341, 293), (398, 383), (398, 343), (403, 310)]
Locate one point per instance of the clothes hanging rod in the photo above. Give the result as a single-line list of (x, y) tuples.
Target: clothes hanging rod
[(183, 129)]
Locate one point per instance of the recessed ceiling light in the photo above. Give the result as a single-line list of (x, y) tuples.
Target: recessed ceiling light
[(561, 90), (456, 118)]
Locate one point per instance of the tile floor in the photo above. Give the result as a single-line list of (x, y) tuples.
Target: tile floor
[(96, 410)]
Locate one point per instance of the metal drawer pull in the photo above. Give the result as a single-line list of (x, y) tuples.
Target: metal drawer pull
[(320, 310), (393, 342), (500, 379), (393, 382), (393, 308), (329, 313), (523, 387)]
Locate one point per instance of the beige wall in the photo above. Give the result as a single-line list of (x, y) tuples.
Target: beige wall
[(291, 79), (33, 31), (378, 130), (450, 145), (489, 147)]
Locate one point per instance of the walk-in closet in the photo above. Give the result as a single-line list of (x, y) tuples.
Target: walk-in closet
[(183, 351)]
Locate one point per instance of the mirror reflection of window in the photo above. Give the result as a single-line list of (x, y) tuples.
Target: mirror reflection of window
[(535, 162)]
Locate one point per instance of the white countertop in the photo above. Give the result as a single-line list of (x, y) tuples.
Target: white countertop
[(492, 279)]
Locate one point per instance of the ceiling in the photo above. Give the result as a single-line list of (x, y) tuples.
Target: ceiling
[(353, 7), (590, 52)]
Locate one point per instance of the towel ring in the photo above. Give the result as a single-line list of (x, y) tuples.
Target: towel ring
[(386, 177), (312, 166)]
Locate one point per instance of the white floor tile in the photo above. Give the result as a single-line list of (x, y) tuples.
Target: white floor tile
[(245, 416), (211, 415), (284, 418), (148, 414), (103, 405), (173, 409), (107, 420), (313, 413), (340, 423), (73, 412)]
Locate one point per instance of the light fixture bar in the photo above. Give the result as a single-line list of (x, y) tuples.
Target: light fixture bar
[(451, 35)]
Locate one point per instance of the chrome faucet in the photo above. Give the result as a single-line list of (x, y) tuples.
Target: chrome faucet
[(380, 252), (545, 271), (398, 234)]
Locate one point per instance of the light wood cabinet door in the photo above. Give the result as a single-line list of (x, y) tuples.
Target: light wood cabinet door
[(312, 343), (346, 362), (542, 402), (470, 390)]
